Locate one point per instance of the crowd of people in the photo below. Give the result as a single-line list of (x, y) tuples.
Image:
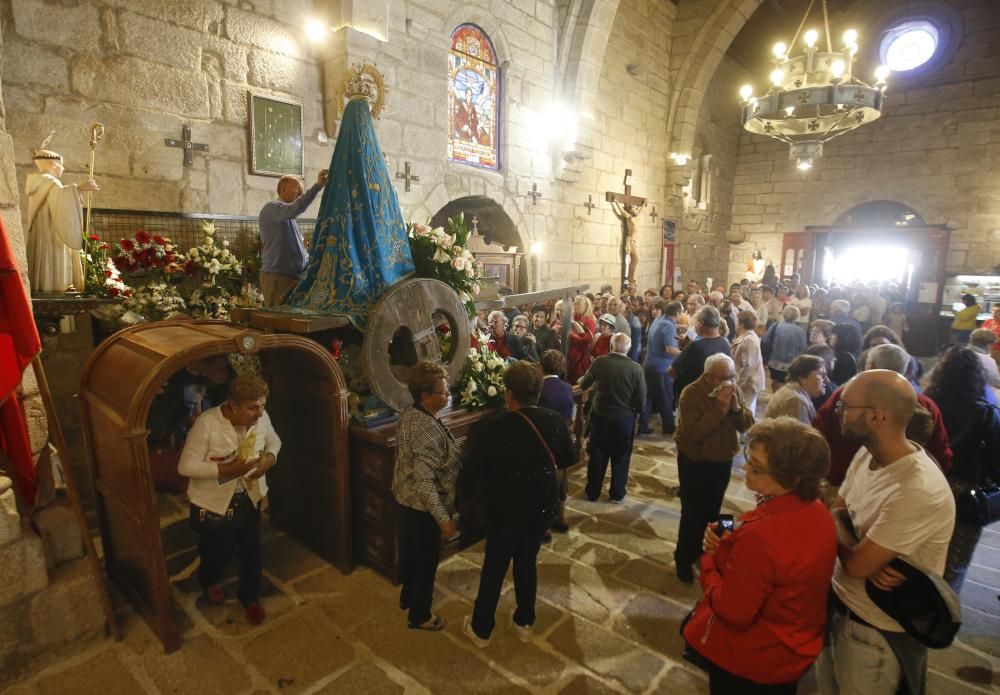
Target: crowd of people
[(862, 466)]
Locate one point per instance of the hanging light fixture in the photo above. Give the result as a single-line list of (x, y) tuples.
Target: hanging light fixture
[(814, 97)]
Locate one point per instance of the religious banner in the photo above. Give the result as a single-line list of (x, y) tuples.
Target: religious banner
[(473, 99), (669, 228)]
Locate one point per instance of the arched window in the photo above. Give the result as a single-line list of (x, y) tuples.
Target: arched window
[(473, 99)]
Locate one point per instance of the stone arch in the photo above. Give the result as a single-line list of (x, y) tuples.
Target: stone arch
[(488, 23), (585, 33), (459, 182), (922, 208), (878, 213), (714, 25)]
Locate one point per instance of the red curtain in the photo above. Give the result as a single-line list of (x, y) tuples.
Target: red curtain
[(19, 343)]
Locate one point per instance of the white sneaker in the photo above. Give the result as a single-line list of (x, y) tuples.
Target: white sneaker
[(471, 634), (525, 633)]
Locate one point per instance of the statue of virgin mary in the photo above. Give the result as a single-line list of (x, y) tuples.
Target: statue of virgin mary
[(359, 246)]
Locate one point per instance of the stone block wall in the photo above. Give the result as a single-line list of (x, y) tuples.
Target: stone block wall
[(144, 68), (703, 248), (936, 150)]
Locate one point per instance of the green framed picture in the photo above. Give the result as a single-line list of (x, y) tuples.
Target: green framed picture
[(275, 136)]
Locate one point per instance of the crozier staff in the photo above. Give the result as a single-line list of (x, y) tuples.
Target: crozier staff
[(55, 225)]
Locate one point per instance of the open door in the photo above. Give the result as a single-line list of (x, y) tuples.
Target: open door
[(310, 488), (798, 256)]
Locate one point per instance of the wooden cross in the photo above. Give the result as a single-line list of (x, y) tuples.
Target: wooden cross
[(188, 146), (652, 214), (407, 176), (590, 203), (627, 216), (625, 198), (535, 195)]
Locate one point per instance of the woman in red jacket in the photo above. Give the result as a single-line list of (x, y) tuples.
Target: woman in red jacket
[(760, 622), (582, 330)]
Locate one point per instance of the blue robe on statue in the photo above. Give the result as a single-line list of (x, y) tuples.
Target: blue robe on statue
[(359, 246)]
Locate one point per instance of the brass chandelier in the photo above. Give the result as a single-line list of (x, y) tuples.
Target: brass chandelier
[(814, 97)]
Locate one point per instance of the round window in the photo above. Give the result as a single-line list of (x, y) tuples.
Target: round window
[(909, 45)]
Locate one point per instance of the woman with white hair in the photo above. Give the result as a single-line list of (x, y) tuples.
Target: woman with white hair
[(783, 342)]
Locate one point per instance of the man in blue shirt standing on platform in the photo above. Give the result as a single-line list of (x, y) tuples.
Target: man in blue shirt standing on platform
[(661, 348), (283, 255)]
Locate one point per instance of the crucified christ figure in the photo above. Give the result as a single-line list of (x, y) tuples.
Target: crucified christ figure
[(630, 242)]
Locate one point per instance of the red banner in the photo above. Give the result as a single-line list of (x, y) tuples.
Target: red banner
[(19, 343)]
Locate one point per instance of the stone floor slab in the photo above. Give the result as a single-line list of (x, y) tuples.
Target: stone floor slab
[(103, 673), (606, 654), (202, 666), (362, 678), (296, 652)]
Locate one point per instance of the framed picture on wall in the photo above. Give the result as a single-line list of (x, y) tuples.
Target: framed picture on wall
[(275, 136)]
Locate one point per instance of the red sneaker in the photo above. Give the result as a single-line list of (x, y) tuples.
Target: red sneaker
[(214, 595), (255, 613)]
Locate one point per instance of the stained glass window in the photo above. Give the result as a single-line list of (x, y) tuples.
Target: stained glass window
[(473, 99)]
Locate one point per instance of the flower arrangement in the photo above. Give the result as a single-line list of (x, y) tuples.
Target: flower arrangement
[(215, 261), (155, 301), (481, 385), (103, 277), (210, 302), (441, 254), (144, 253)]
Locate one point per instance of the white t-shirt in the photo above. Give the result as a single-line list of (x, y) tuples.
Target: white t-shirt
[(805, 308), (906, 507)]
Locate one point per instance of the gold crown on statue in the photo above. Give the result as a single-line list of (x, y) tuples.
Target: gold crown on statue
[(363, 82)]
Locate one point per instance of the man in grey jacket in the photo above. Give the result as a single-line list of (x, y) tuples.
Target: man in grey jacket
[(619, 395)]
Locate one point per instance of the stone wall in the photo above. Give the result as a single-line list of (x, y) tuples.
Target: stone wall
[(703, 248), (144, 68), (936, 150)]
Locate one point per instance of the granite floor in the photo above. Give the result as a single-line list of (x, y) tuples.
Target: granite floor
[(608, 615)]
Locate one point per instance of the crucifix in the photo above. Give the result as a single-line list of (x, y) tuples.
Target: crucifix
[(590, 203), (626, 207), (475, 225), (535, 195), (407, 176), (186, 143), (652, 214)]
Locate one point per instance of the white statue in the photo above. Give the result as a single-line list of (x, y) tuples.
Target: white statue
[(55, 226)]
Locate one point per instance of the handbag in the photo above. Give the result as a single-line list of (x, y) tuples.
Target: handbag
[(980, 504)]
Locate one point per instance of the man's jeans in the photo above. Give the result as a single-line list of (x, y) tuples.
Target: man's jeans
[(859, 660)]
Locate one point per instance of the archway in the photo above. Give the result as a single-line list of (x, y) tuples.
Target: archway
[(492, 222), (309, 488)]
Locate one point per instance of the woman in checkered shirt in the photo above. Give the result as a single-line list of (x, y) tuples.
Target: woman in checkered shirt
[(423, 483)]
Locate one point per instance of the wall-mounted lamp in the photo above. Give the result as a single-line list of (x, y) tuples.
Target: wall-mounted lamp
[(316, 30)]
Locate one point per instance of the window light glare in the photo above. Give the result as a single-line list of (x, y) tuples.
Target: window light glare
[(882, 72), (909, 45), (789, 110)]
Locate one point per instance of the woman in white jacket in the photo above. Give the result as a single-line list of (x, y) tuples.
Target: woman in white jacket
[(748, 360)]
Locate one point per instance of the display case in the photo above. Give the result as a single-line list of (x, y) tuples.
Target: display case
[(985, 288)]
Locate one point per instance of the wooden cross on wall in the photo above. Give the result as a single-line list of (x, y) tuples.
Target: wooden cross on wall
[(624, 199), (407, 176), (652, 214), (590, 203), (187, 145)]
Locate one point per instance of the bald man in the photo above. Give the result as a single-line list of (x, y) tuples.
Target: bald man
[(894, 503)]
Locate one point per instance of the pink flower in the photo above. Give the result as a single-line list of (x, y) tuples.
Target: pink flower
[(458, 263)]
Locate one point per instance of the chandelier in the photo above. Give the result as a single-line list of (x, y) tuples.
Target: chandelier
[(814, 97)]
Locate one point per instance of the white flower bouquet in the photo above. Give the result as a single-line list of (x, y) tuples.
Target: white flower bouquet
[(441, 254), (481, 385)]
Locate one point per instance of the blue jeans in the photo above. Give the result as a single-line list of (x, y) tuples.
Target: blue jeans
[(610, 439), (659, 396)]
